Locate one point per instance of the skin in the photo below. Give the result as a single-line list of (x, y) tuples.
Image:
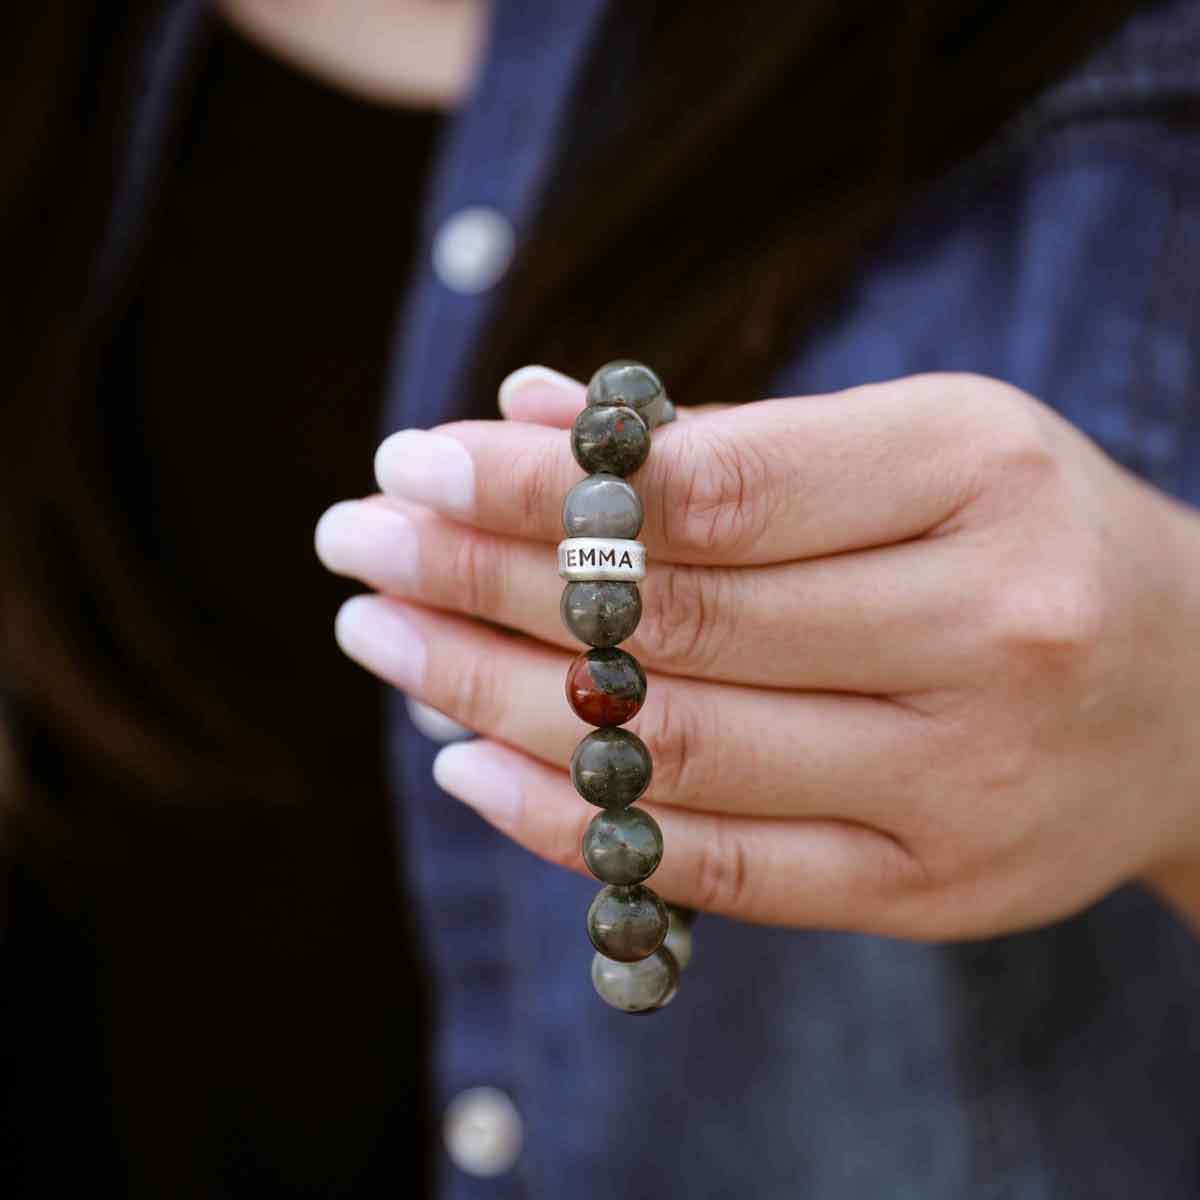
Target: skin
[(410, 53), (922, 660)]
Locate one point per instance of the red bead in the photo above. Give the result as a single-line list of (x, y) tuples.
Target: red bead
[(606, 687)]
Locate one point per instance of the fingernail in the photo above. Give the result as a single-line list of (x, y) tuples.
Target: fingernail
[(428, 468), (476, 774), (372, 631), (434, 724), (528, 379), (368, 541)]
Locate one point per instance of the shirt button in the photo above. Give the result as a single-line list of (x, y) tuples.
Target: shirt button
[(472, 249), (436, 726), (483, 1132)]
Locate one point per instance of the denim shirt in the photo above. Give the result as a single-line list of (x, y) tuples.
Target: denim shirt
[(1065, 258)]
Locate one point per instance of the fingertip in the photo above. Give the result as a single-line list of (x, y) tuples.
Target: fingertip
[(434, 724), (426, 468), (539, 395), (477, 774), (328, 532)]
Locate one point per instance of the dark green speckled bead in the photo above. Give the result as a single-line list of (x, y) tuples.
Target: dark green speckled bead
[(602, 506), (640, 987), (601, 612), (611, 768), (610, 438), (627, 923), (624, 381), (623, 846)]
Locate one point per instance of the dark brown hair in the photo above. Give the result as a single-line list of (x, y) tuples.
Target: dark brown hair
[(763, 148), (769, 144)]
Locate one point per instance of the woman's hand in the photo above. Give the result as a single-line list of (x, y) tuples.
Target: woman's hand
[(923, 661)]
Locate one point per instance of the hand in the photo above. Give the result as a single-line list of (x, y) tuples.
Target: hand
[(923, 661)]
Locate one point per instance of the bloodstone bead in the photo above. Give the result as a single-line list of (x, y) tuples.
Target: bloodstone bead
[(625, 382), (623, 847), (601, 612), (638, 987), (612, 438), (627, 923), (611, 768), (606, 687), (602, 506)]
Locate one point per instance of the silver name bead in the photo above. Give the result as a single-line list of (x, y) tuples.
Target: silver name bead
[(601, 558)]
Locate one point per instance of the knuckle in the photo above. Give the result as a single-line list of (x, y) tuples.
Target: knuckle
[(890, 877), (1005, 768), (716, 494), (473, 576), (1001, 766), (1058, 622), (723, 872), (674, 734), (539, 487), (470, 693), (1012, 436), (680, 625), (1004, 443)]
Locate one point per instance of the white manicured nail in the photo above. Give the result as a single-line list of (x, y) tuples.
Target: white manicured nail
[(476, 774), (528, 378), (435, 725), (428, 468), (368, 541), (371, 631)]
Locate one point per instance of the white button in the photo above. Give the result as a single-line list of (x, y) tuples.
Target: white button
[(483, 1132), (436, 726), (472, 249)]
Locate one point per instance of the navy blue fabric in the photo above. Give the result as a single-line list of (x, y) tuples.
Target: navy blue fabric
[(1060, 1063)]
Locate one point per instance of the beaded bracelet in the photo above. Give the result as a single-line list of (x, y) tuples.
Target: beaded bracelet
[(641, 943)]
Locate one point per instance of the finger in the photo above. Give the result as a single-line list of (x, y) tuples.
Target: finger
[(715, 747), (759, 483), (882, 621), (537, 395), (802, 873)]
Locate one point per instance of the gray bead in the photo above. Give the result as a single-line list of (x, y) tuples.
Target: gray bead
[(602, 506), (652, 414), (636, 987), (601, 613), (679, 935), (674, 988), (625, 382), (611, 768), (610, 438), (627, 923), (623, 846)]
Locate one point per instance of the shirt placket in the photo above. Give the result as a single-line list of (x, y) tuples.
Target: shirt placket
[(458, 869)]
